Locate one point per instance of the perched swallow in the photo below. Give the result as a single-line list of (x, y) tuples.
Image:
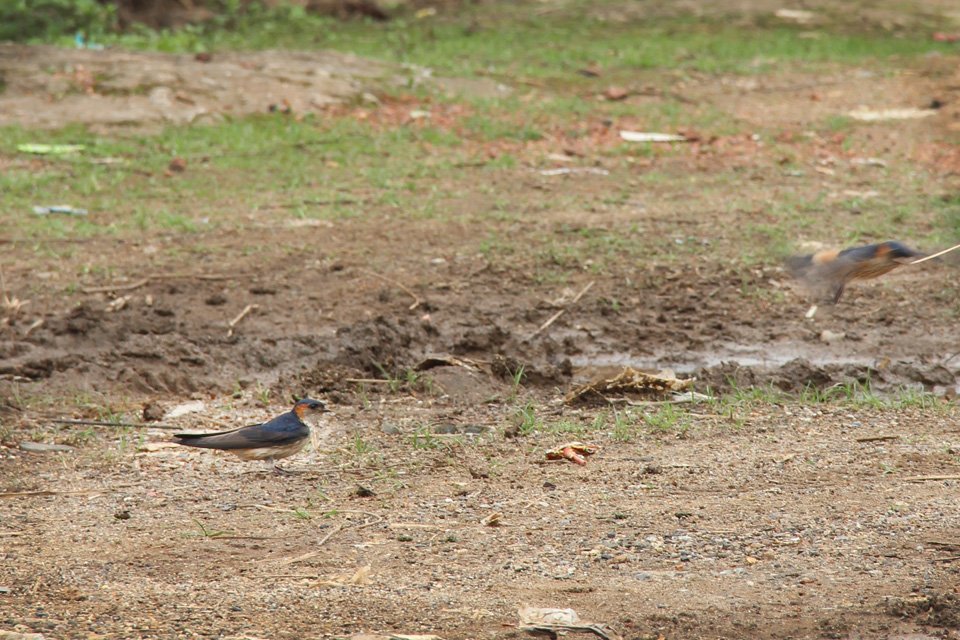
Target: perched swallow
[(279, 438), (828, 272)]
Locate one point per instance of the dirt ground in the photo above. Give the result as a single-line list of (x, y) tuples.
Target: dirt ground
[(743, 519)]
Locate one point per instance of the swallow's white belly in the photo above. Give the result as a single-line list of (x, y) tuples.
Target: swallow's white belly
[(270, 453)]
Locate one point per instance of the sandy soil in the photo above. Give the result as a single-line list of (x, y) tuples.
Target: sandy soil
[(761, 520)]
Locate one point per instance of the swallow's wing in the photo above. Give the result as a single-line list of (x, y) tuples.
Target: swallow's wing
[(284, 430), (823, 274)]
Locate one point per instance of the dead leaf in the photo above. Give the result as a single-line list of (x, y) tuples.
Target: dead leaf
[(630, 380), (540, 621), (575, 452)]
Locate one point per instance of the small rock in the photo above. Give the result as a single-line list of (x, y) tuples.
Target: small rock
[(829, 337), (478, 474), (390, 429), (122, 515), (42, 447), (152, 412), (216, 300), (16, 635), (186, 408), (177, 165), (615, 93), (446, 429), (363, 492), (474, 429)]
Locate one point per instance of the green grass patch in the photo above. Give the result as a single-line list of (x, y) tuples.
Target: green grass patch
[(514, 40), (312, 169)]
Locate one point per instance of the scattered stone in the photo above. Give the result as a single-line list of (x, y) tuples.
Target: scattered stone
[(615, 93), (474, 429), (16, 635), (152, 412), (42, 447), (446, 429), (829, 337), (390, 429), (363, 492), (186, 408)]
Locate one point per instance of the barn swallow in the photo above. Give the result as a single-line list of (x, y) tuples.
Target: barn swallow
[(828, 272), (279, 438)]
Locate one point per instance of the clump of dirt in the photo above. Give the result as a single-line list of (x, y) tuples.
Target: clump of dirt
[(796, 375), (382, 345), (933, 608)]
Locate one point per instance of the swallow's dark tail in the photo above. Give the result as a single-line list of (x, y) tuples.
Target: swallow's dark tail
[(202, 440)]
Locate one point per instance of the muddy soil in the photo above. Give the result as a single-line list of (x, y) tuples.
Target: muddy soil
[(767, 520)]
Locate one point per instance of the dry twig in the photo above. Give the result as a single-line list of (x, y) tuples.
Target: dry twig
[(240, 316), (554, 317), (118, 287), (103, 423), (12, 305), (937, 254), (947, 544), (877, 438), (311, 554), (406, 289), (136, 284), (36, 324), (46, 492)]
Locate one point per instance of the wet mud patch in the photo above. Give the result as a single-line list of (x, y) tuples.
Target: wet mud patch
[(800, 375), (169, 340)]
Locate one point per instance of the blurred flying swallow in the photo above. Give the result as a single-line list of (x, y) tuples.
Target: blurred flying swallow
[(278, 438), (827, 273)]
